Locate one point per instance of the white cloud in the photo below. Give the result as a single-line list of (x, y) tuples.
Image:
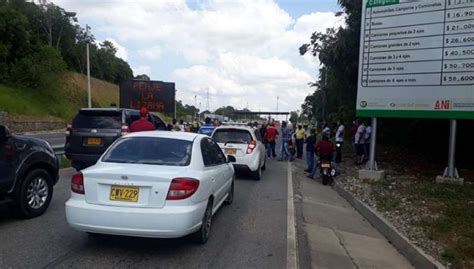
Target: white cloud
[(152, 53), (121, 50), (241, 50), (142, 69)]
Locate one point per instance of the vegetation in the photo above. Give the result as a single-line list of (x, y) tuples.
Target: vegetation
[(39, 43)]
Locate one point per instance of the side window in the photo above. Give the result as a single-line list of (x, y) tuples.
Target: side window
[(207, 153), (133, 116), (257, 135), (159, 124), (220, 156)]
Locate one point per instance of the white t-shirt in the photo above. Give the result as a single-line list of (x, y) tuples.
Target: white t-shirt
[(340, 133), (360, 136), (368, 134), (327, 131)]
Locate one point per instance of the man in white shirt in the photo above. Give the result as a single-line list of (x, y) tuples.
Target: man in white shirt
[(360, 142), (339, 141)]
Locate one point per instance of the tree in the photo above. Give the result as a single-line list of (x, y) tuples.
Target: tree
[(142, 77)]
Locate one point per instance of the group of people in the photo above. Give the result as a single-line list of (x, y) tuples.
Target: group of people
[(361, 137)]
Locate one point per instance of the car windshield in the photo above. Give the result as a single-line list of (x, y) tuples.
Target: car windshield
[(150, 150), (232, 136), (98, 120)]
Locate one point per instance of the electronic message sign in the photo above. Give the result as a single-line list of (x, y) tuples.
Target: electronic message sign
[(156, 96)]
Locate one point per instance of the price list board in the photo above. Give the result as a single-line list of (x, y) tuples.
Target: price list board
[(417, 59)]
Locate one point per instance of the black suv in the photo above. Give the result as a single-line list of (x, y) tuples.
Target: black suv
[(94, 129), (28, 171)]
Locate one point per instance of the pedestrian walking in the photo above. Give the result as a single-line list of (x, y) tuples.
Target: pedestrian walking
[(300, 136), (339, 141), (142, 124), (310, 143), (270, 136), (285, 137)]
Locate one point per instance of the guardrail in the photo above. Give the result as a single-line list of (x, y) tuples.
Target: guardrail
[(58, 150)]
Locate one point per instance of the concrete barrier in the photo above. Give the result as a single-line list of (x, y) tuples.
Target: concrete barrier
[(415, 255)]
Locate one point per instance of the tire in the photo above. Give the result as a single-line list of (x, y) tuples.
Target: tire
[(34, 194), (230, 198), (325, 180), (264, 163), (257, 175), (202, 235)]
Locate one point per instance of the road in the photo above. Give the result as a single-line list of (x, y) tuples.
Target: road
[(55, 139), (250, 233)]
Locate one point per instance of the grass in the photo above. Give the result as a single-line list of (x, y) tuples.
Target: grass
[(62, 103), (455, 225), (64, 162)]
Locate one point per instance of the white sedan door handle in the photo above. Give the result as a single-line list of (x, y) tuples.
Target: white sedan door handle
[(213, 179)]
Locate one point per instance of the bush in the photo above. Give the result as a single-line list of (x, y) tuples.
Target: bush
[(40, 70)]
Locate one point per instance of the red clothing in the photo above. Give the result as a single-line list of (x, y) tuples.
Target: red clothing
[(271, 133), (324, 148), (141, 125)]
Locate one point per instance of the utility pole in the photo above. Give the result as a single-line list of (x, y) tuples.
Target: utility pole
[(175, 91), (207, 100), (89, 98)]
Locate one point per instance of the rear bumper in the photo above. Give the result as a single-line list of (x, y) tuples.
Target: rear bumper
[(87, 159), (250, 162), (166, 222)]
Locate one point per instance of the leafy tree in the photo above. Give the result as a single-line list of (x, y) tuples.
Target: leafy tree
[(142, 77)]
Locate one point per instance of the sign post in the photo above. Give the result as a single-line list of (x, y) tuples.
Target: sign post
[(417, 61)]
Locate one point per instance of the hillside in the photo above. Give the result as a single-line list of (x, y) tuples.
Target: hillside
[(28, 103)]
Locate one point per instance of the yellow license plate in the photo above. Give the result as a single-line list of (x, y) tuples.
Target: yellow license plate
[(126, 194), (326, 165), (230, 151), (94, 141)]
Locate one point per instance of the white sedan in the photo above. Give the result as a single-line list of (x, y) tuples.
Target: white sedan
[(153, 184)]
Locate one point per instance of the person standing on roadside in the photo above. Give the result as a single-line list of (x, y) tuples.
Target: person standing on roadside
[(270, 136), (285, 137), (300, 136), (359, 141), (310, 142), (142, 124), (339, 141)]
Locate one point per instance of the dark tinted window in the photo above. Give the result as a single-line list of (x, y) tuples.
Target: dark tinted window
[(159, 124), (132, 116), (232, 135), (98, 120), (220, 156), (150, 150), (209, 153)]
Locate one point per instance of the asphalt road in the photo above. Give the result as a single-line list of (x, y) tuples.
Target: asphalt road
[(250, 233), (55, 139)]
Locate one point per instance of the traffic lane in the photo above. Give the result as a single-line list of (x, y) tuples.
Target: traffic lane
[(250, 233), (32, 243), (54, 139)]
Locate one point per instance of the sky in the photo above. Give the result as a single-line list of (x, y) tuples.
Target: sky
[(243, 52)]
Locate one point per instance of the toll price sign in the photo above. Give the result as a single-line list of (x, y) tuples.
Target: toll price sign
[(417, 59)]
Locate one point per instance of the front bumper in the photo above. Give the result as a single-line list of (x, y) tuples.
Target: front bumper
[(166, 222)]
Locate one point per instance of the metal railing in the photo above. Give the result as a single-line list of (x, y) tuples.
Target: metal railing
[(58, 150)]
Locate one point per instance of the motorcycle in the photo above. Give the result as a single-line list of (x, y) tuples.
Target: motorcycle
[(327, 171)]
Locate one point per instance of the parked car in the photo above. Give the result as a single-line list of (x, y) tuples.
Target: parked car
[(245, 144), (153, 184), (28, 172), (93, 130)]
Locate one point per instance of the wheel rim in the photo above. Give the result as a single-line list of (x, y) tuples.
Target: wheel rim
[(208, 222), (37, 193)]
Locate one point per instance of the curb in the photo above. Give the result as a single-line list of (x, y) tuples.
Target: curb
[(412, 253)]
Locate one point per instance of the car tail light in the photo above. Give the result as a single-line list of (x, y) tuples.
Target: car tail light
[(182, 188), (77, 183), (251, 146), (124, 129)]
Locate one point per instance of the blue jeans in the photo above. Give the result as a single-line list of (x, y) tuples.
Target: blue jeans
[(310, 160), (271, 149), (284, 152)]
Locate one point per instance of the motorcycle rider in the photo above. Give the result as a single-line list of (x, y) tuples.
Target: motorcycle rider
[(324, 150)]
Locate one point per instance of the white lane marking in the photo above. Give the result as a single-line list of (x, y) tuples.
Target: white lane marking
[(291, 250)]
